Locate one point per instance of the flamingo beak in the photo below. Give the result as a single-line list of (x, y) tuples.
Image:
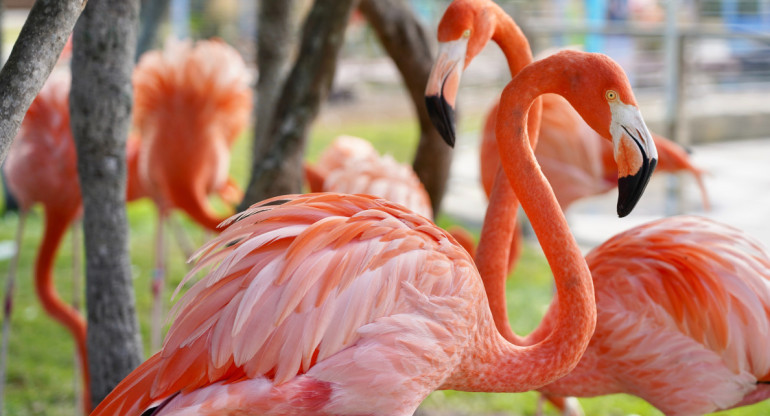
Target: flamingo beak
[(635, 154), (443, 82)]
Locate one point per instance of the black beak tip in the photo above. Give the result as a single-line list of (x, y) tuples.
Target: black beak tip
[(631, 188), (442, 115)]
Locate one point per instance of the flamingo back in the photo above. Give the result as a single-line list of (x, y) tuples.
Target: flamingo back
[(684, 313), (353, 166), (322, 285)]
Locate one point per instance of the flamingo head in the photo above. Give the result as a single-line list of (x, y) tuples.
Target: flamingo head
[(602, 95), (463, 32)]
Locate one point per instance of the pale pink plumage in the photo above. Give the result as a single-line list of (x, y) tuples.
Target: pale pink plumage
[(352, 165)]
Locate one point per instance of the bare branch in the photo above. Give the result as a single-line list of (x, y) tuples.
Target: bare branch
[(32, 59), (408, 44)]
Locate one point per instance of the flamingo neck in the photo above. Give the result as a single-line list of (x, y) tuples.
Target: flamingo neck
[(56, 225), (498, 365), (499, 226), (512, 42)]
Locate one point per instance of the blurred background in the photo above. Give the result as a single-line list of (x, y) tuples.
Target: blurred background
[(701, 73)]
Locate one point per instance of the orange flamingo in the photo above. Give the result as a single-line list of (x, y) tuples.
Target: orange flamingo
[(42, 167), (269, 331), (191, 102), (683, 303)]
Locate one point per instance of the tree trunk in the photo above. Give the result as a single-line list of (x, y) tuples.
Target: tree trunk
[(280, 170), (104, 44), (275, 40), (408, 44), (151, 15), (32, 59)]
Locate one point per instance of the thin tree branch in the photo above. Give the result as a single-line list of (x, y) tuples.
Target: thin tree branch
[(32, 59)]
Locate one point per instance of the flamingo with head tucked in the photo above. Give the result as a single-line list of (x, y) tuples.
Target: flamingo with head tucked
[(270, 329), (191, 102)]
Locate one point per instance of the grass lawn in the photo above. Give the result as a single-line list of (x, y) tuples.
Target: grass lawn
[(40, 372)]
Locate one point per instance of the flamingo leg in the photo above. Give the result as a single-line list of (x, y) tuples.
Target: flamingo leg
[(158, 284), (10, 284), (77, 300), (182, 238)]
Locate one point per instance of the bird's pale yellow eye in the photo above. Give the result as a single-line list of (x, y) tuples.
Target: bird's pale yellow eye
[(467, 34), (611, 95)]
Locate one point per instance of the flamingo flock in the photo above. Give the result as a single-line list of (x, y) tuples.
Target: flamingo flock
[(349, 300)]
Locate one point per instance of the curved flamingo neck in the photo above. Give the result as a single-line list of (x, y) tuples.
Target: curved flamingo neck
[(56, 225), (504, 366), (511, 41), (498, 231)]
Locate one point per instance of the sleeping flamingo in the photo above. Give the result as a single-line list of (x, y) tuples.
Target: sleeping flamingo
[(683, 303), (42, 167), (191, 102), (352, 165), (270, 329)]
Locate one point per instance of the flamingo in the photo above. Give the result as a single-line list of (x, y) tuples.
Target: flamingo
[(191, 102), (683, 303), (318, 300), (352, 165), (42, 167)]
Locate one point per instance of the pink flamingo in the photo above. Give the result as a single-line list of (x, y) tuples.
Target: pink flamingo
[(191, 102), (678, 300), (352, 165), (42, 167)]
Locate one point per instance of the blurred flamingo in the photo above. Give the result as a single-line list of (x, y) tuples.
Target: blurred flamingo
[(42, 167), (191, 102), (352, 165)]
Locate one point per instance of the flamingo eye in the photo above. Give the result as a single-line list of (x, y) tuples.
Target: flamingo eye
[(611, 95), (466, 34)]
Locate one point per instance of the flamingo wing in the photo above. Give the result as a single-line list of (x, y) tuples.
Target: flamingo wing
[(685, 323), (326, 286)]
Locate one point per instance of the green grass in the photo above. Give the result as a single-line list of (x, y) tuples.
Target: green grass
[(40, 370)]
